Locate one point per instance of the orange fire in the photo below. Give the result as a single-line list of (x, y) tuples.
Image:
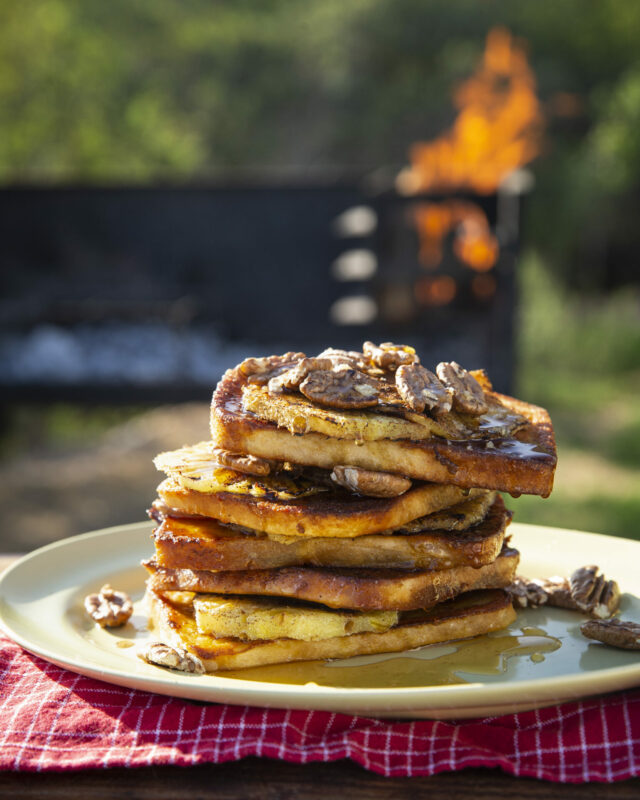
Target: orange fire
[(498, 129), (474, 243)]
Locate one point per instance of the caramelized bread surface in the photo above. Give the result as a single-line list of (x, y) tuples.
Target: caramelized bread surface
[(205, 544), (469, 615), (521, 464), (373, 589), (332, 514)]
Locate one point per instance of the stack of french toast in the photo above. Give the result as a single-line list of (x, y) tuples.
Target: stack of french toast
[(345, 504)]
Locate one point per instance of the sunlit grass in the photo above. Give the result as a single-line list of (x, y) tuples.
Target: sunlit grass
[(58, 426), (580, 358)]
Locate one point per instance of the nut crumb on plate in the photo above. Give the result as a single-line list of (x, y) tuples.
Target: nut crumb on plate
[(615, 632), (109, 608), (163, 655), (585, 590), (593, 593)]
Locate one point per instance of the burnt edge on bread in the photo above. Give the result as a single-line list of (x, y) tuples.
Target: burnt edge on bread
[(180, 546), (366, 589), (338, 514)]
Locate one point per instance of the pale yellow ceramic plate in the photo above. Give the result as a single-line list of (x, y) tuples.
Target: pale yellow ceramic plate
[(542, 659)]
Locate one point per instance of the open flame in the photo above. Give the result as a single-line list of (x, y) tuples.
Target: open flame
[(474, 243), (498, 129)]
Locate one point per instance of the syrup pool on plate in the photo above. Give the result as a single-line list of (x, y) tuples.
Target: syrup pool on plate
[(434, 665)]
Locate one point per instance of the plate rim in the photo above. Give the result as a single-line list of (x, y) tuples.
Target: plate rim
[(449, 697)]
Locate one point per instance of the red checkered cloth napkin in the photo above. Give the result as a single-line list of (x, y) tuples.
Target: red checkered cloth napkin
[(53, 719)]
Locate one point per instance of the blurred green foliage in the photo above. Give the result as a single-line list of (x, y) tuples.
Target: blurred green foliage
[(121, 91), (580, 336), (580, 358)]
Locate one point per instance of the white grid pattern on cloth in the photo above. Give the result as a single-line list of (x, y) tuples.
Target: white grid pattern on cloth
[(324, 738), (410, 746), (178, 736), (263, 722), (61, 708), (196, 742), (117, 727), (452, 748), (303, 736), (605, 742), (583, 742), (627, 728), (516, 745), (9, 696), (539, 766), (140, 728), (137, 730), (237, 751), (560, 748), (387, 750), (27, 699), (157, 733)]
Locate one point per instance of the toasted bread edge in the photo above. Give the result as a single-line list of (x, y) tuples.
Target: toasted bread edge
[(449, 623)]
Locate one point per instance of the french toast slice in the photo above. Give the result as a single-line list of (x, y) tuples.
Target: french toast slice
[(469, 615), (338, 513), (522, 462), (205, 544), (365, 589)]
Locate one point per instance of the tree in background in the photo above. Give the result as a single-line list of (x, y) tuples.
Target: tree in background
[(121, 92)]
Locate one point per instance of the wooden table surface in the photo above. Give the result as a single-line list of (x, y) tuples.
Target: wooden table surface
[(266, 779)]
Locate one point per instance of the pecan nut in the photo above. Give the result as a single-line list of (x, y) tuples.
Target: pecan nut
[(420, 389), (293, 377), (109, 608), (247, 464), (370, 483), (536, 592), (615, 632), (593, 593), (178, 658), (351, 358), (342, 387), (389, 356), (558, 592), (527, 593), (261, 370), (468, 396), (584, 591)]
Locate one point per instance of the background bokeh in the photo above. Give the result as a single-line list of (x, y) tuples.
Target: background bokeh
[(167, 92)]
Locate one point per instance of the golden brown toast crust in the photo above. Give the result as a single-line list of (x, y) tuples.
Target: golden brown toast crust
[(523, 464), (363, 589), (470, 615), (205, 544), (337, 513)]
